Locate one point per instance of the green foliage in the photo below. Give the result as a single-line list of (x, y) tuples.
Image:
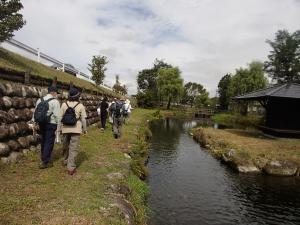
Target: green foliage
[(224, 90), (284, 59), (138, 196), (191, 92), (10, 19), (202, 100), (145, 100), (243, 81), (249, 79), (97, 68), (147, 84), (170, 84), (237, 120)]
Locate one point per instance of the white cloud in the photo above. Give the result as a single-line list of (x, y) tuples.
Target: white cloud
[(205, 38)]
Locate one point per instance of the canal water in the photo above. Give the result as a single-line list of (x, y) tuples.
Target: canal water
[(190, 187)]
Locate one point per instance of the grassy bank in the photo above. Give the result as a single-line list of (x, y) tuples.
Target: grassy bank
[(237, 120), (250, 147), (13, 61), (50, 196)]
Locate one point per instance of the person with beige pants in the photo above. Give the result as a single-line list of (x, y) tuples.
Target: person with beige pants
[(71, 134)]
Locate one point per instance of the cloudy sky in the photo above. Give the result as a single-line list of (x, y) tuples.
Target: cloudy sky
[(205, 38)]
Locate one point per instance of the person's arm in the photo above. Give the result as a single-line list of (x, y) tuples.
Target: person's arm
[(56, 112), (83, 119), (61, 112)]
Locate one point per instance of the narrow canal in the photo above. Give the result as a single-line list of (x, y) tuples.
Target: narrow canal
[(189, 187)]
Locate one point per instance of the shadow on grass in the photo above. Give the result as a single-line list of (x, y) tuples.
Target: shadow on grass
[(247, 133)]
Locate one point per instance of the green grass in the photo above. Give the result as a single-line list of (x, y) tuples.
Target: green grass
[(15, 62), (251, 146), (237, 120), (51, 196)]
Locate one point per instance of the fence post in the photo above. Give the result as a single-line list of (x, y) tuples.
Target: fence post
[(38, 55), (63, 68)]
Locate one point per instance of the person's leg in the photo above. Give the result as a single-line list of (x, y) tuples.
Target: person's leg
[(104, 121), (42, 132), (73, 151), (66, 143), (49, 142), (115, 127), (119, 125)]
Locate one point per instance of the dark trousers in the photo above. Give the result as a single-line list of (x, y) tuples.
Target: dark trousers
[(116, 127), (47, 132), (103, 120)]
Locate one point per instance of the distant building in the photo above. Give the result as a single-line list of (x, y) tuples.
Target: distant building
[(282, 108)]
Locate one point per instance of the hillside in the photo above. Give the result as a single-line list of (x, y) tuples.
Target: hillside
[(13, 61)]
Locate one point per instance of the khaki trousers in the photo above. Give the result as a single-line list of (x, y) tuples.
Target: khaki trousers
[(70, 149)]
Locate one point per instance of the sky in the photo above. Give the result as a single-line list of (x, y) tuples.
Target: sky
[(205, 38)]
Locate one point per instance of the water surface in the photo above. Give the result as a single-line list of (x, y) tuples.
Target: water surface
[(188, 186)]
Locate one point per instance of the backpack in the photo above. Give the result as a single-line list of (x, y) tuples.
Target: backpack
[(40, 113), (125, 110), (118, 109), (69, 117)]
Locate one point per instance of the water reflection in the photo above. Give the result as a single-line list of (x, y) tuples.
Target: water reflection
[(188, 186)]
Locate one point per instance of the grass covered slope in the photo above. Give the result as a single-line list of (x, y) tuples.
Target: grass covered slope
[(33, 196), (250, 147), (13, 61)]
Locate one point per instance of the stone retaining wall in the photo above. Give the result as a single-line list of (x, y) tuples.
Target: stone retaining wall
[(17, 103)]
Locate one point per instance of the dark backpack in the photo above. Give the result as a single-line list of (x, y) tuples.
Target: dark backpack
[(125, 110), (40, 113), (118, 109), (69, 117)]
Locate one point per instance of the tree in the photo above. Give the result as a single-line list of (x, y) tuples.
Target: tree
[(97, 68), (191, 91), (249, 79), (202, 100), (147, 78), (10, 19), (224, 90), (170, 84), (147, 84), (284, 59)]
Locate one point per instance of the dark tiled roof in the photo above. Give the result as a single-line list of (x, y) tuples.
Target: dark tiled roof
[(288, 90)]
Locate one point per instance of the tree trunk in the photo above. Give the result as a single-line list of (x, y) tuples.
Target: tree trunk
[(169, 102)]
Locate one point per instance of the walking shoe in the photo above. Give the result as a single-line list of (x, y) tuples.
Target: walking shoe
[(72, 172), (45, 165)]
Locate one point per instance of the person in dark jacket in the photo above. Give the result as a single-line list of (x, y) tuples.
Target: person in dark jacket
[(47, 130), (103, 112)]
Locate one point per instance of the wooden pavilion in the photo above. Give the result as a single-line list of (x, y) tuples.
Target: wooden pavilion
[(282, 106)]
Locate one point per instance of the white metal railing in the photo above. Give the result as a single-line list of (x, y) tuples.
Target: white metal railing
[(40, 55), (58, 64)]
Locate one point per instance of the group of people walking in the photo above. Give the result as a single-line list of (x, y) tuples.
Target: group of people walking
[(69, 119), (118, 112)]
